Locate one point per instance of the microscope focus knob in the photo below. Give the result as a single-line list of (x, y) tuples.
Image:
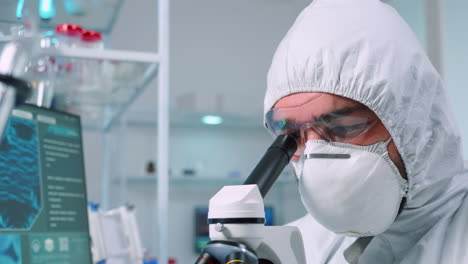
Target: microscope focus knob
[(219, 227)]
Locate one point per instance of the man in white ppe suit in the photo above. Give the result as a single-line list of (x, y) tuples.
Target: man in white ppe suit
[(379, 166)]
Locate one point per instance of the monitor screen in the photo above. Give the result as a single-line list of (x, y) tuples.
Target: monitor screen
[(43, 209), (202, 231)]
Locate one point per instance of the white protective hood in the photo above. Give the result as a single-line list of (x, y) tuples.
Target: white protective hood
[(363, 50)]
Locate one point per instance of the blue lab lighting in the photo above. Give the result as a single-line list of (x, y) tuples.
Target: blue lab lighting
[(212, 120), (46, 9), (19, 9), (48, 33)]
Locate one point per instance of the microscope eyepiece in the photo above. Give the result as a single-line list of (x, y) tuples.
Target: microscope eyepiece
[(273, 162)]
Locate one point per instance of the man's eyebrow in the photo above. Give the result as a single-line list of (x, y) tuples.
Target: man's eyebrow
[(330, 115), (337, 113)]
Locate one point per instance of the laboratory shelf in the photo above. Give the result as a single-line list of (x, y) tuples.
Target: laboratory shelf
[(98, 85), (103, 54), (181, 118), (197, 181)]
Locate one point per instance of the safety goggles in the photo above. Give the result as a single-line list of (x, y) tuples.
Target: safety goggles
[(318, 120)]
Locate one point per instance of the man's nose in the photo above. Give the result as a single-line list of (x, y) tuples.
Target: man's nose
[(306, 135), (299, 152), (310, 134)]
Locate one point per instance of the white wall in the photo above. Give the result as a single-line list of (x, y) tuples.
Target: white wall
[(93, 158), (456, 62), (216, 46)]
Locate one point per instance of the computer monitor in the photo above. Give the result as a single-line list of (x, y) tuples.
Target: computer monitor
[(43, 208), (202, 231)]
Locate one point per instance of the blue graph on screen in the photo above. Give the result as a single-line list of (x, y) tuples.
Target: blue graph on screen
[(20, 201)]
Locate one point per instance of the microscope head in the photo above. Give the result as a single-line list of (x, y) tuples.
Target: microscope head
[(236, 217), (237, 213)]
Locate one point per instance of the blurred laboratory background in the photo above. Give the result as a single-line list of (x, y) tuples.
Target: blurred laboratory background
[(179, 109)]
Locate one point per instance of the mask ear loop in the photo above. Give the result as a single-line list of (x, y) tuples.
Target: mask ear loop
[(298, 167), (404, 183), (386, 142)]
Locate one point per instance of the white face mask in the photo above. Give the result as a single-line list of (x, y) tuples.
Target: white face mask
[(351, 190)]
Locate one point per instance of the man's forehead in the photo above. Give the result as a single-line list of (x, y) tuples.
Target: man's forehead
[(297, 99)]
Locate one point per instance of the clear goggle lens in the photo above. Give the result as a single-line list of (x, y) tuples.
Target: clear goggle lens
[(342, 125)]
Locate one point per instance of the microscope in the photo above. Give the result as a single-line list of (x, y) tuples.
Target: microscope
[(236, 217)]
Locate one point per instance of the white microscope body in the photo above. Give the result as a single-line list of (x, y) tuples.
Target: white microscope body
[(236, 217), (277, 244)]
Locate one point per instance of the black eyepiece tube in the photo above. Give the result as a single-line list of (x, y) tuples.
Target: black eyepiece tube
[(272, 163)]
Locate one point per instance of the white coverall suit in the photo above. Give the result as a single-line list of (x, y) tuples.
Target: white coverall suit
[(363, 50)]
